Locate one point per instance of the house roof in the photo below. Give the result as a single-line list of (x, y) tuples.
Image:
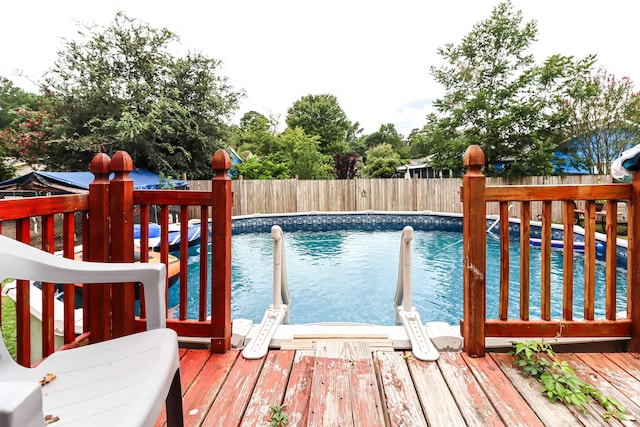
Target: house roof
[(42, 182)]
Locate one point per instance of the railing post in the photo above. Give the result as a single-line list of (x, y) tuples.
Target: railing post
[(121, 215), (96, 302), (474, 224), (633, 234), (222, 200)]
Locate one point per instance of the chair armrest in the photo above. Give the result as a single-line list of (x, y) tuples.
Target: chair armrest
[(21, 404), (21, 261)]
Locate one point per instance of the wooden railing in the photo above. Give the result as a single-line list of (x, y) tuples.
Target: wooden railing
[(107, 217), (475, 196)]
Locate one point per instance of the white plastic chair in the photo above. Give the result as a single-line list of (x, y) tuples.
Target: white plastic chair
[(122, 382)]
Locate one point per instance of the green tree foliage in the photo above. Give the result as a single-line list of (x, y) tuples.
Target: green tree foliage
[(13, 98), (387, 134), (120, 88), (13, 102), (601, 125), (253, 168), (256, 134), (321, 115), (497, 98), (306, 161), (382, 161)]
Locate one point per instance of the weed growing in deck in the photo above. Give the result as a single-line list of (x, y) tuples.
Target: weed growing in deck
[(279, 418), (559, 381)]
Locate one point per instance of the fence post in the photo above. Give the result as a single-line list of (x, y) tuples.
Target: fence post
[(121, 215), (222, 201), (633, 234), (474, 223), (96, 298)]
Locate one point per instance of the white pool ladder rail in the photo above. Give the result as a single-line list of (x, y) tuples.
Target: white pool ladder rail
[(278, 312), (421, 345)]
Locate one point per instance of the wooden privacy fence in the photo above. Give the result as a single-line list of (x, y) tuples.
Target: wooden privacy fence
[(477, 194), (417, 194)]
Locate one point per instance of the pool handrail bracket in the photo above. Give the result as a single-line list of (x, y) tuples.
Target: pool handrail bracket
[(421, 345), (278, 312)]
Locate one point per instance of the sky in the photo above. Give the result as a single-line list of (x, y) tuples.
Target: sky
[(374, 56)]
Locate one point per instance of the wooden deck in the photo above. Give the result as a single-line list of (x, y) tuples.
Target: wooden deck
[(348, 384)]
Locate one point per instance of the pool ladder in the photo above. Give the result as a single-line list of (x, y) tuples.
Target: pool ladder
[(278, 312), (407, 315)]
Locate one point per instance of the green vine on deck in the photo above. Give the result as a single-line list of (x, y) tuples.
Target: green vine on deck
[(279, 418), (559, 381)]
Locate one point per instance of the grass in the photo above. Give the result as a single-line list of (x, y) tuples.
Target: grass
[(8, 324)]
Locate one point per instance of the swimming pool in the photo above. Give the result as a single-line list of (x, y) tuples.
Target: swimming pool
[(349, 275)]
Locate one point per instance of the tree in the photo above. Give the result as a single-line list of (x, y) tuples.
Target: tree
[(256, 134), (13, 98), (387, 134), (253, 168), (120, 88), (382, 161), (13, 103), (600, 110), (497, 98), (306, 161), (321, 115)]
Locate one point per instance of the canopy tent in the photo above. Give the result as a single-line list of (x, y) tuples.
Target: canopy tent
[(39, 183)]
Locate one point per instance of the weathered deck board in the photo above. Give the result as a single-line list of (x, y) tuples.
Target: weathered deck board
[(344, 386), (232, 401), (529, 389), (270, 388), (200, 395), (504, 397), (439, 405), (380, 388), (616, 370), (191, 363), (473, 404), (401, 399), (589, 375)]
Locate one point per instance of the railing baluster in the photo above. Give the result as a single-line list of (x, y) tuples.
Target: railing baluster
[(589, 259), (48, 245), (611, 258), (567, 260), (204, 262), (525, 233), (545, 260), (503, 310), (69, 296)]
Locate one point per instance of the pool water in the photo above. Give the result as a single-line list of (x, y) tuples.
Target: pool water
[(350, 276)]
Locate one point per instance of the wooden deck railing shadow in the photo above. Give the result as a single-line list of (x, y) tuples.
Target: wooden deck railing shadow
[(107, 216), (476, 195)]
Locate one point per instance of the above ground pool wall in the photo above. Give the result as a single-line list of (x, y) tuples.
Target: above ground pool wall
[(391, 221)]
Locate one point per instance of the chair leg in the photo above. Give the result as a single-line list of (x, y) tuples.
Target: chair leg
[(174, 403)]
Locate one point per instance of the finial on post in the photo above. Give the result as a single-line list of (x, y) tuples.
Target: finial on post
[(221, 163), (474, 159), (121, 162), (100, 165)]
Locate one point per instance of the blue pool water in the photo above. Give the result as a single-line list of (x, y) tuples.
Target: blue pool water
[(350, 276)]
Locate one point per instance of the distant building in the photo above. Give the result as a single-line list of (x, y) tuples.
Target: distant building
[(421, 168)]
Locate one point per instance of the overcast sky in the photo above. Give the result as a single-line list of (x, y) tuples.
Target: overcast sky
[(374, 56)]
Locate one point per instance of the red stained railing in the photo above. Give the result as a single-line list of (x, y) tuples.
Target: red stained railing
[(107, 217), (475, 195)]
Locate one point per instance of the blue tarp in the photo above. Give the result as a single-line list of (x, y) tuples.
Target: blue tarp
[(41, 182)]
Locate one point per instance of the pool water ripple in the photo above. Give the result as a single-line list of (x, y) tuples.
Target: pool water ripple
[(350, 276)]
